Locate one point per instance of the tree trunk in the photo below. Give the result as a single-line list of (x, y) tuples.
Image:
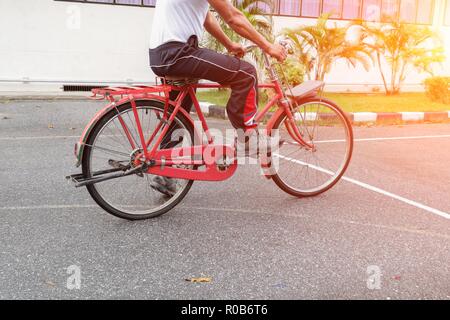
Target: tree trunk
[(402, 76), (382, 74), (393, 75)]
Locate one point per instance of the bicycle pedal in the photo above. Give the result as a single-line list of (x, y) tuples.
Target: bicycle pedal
[(117, 165)]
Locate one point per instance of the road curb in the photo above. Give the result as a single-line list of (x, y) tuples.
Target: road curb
[(216, 111), (357, 118)]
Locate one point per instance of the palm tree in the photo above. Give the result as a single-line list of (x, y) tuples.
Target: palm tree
[(319, 46), (403, 46), (262, 22)]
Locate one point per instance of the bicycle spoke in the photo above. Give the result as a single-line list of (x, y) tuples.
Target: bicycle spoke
[(131, 194), (113, 152), (122, 133), (299, 166)]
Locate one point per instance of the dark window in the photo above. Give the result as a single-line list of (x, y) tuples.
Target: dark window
[(269, 9), (351, 9), (389, 10), (410, 11), (371, 10), (142, 3), (149, 2), (310, 8), (289, 7), (425, 11), (333, 7)]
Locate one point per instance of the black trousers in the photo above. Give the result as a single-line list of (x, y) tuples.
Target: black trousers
[(188, 60)]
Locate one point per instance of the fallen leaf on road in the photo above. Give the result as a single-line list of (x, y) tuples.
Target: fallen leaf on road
[(199, 280), (51, 284)]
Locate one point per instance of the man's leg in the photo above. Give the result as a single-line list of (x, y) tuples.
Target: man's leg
[(240, 75), (186, 104), (164, 185), (243, 102)]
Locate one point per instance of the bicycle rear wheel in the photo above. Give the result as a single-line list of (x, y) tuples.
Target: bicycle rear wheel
[(304, 172), (108, 146)]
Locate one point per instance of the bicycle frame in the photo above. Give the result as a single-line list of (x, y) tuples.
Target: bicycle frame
[(161, 162), (190, 90)]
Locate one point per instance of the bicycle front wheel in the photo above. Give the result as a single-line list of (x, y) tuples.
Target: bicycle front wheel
[(307, 172)]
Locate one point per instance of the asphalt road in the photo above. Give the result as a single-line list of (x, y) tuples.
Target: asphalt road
[(253, 240)]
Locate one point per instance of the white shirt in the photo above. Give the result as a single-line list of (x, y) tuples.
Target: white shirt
[(177, 20)]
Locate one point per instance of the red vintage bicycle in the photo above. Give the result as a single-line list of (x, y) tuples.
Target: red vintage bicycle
[(124, 146)]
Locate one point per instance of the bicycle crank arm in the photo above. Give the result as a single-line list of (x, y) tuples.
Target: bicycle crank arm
[(80, 181)]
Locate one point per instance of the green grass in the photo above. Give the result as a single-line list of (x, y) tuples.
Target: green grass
[(355, 102), (217, 97)]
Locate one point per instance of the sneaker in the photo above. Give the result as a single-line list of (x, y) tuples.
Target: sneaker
[(166, 186)]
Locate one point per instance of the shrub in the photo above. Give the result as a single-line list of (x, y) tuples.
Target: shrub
[(438, 89), (295, 71)]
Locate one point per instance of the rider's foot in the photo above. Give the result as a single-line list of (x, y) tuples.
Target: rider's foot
[(166, 186)]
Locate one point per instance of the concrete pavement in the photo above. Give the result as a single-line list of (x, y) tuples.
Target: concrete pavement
[(253, 240)]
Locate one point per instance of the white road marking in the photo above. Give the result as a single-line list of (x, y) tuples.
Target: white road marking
[(331, 220), (366, 224), (389, 138), (81, 206), (48, 207), (240, 210), (51, 137), (38, 138), (373, 188), (320, 141)]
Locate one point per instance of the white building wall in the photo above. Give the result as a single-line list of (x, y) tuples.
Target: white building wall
[(53, 41), (46, 43)]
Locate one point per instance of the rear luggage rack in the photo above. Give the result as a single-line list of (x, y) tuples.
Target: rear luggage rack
[(140, 91)]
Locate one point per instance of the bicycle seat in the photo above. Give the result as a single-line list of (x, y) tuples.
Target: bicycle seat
[(179, 81), (306, 89)]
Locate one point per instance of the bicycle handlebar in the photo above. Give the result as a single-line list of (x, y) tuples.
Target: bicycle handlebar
[(267, 63), (285, 43)]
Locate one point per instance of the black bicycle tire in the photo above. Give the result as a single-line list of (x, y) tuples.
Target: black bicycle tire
[(285, 187), (86, 158)]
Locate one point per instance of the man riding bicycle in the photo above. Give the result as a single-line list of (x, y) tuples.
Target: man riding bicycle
[(174, 52)]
